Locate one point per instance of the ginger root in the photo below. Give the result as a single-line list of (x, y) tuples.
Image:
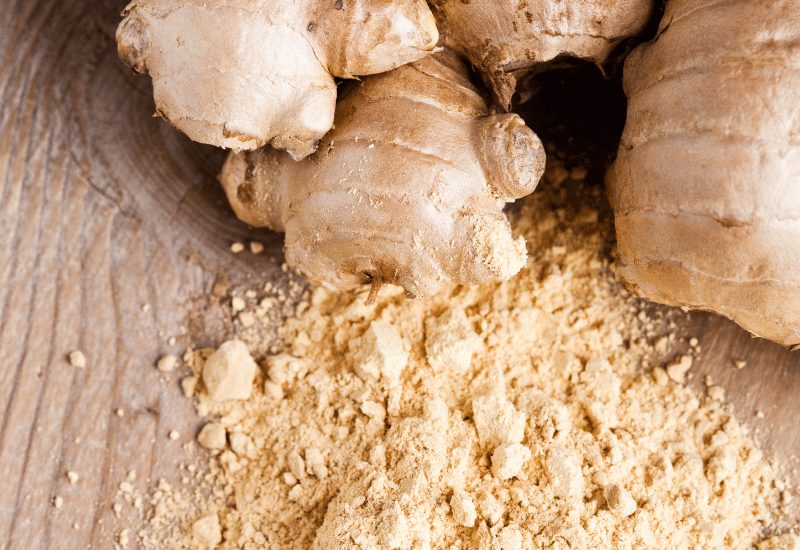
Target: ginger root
[(407, 189), (706, 185), (508, 40), (244, 73)]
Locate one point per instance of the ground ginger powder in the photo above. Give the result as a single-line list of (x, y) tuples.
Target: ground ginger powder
[(507, 416)]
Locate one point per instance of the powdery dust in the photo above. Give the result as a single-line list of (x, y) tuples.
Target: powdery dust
[(507, 416)]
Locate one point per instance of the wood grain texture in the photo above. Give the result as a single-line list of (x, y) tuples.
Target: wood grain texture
[(105, 209)]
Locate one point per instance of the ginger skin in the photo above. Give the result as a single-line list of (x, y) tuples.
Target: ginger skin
[(407, 189), (706, 185), (240, 74), (508, 40)]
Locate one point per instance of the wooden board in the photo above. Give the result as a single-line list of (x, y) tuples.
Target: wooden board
[(111, 226)]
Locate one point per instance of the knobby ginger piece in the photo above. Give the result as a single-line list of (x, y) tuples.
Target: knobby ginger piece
[(407, 189), (244, 73), (229, 372), (706, 184), (508, 40)]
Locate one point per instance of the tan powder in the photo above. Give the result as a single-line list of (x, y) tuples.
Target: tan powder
[(508, 416)]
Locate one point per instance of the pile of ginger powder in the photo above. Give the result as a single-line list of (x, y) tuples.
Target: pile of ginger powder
[(508, 416)]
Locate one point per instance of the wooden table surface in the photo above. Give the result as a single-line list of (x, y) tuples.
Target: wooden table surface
[(112, 230)]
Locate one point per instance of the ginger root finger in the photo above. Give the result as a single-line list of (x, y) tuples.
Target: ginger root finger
[(507, 40), (408, 188), (706, 185), (246, 73)]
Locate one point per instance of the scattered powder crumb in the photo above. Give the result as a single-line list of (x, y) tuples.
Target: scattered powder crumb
[(237, 247), (77, 359), (58, 501), (256, 247), (513, 416), (173, 435), (237, 304), (678, 368), (167, 363), (73, 477), (247, 319), (579, 173), (189, 385), (737, 364), (120, 412), (228, 373), (213, 436), (660, 376), (716, 392), (206, 530), (661, 345)]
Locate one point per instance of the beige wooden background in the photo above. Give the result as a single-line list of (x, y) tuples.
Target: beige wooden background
[(104, 210)]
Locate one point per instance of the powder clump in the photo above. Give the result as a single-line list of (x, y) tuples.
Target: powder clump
[(229, 372), (450, 341), (206, 531), (379, 353), (212, 436), (508, 459)]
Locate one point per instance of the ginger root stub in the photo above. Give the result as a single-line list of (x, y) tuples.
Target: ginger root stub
[(244, 73), (706, 185), (407, 189)]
